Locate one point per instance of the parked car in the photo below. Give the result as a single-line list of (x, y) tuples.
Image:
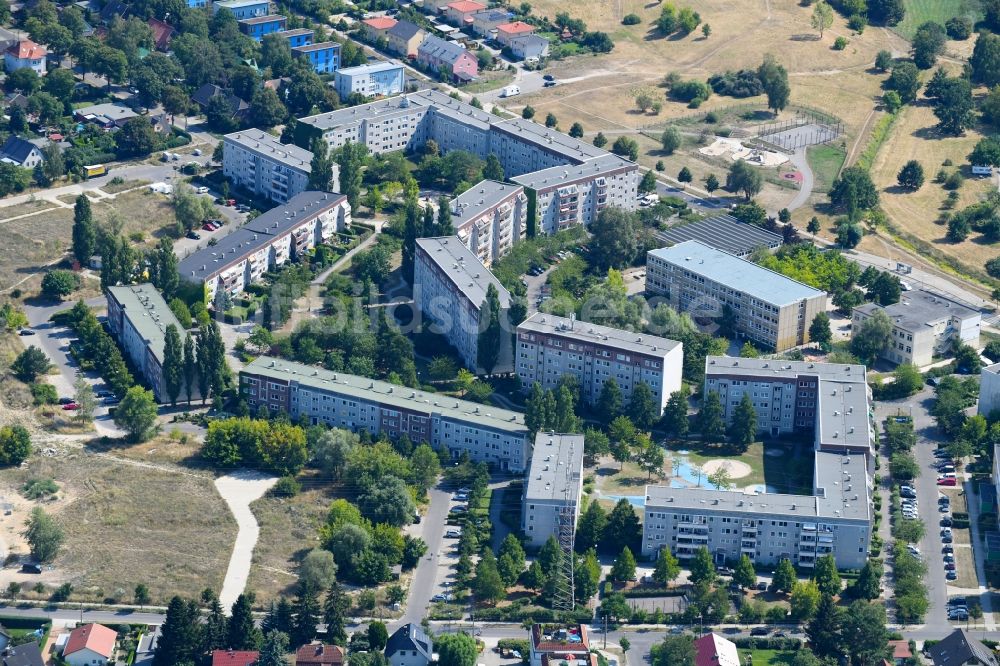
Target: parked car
[(71, 406), (946, 522), (207, 227), (947, 549), (548, 77), (762, 586), (946, 539), (951, 575), (193, 235), (548, 84), (947, 481), (907, 492), (202, 190), (103, 394), (949, 566), (65, 401), (442, 597), (112, 400), (948, 557), (25, 332), (453, 534), (913, 549), (760, 631), (31, 568)]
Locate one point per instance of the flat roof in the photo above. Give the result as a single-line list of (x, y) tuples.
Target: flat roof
[(372, 68), (319, 46), (463, 268), (756, 367), (735, 273), (148, 313), (256, 234), (294, 32), (920, 308), (549, 324), (401, 397), (241, 3), (270, 18), (269, 146), (569, 174), (479, 198), (551, 139), (723, 232), (556, 466)]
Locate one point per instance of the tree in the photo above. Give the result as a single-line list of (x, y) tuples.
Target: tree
[(648, 183), (136, 138), (702, 567), (642, 407), (551, 120), (743, 428), (883, 60), (667, 567), (492, 170), (266, 109), (59, 283), (826, 575), (820, 332), (744, 574), (140, 597), (824, 630), (774, 78), (685, 175), (869, 582), (378, 635), (892, 101), (616, 234), (242, 634), (711, 424), (649, 455), (954, 106), (904, 79), (137, 414), (626, 147), (853, 192), (671, 140), (623, 569), (84, 231), (985, 60), (576, 131), (511, 561), (986, 152), (335, 610), (744, 178), (675, 414), (317, 570), (822, 17), (622, 528), (29, 364), (178, 641), (622, 434), (491, 336), (173, 363), (784, 576), (674, 651), (590, 527), (911, 176), (865, 625), (871, 338), (86, 402), (43, 534), (457, 649), (928, 43), (15, 445), (190, 369), (600, 140), (388, 502), (274, 649), (805, 600), (487, 585)]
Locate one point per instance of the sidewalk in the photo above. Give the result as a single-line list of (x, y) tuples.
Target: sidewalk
[(978, 546)]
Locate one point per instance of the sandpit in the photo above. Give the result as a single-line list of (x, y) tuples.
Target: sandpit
[(737, 151), (736, 469)]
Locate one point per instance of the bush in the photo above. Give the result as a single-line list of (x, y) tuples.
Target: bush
[(958, 27), (840, 43), (954, 181), (631, 19), (286, 486), (689, 91), (857, 23), (742, 83)]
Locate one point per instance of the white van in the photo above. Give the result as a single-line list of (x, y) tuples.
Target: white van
[(510, 91)]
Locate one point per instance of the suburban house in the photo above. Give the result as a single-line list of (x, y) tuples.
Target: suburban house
[(26, 654), (243, 9), (107, 115), (297, 36), (235, 657), (90, 644), (162, 34), (404, 38), (714, 650), (319, 654), (376, 28), (379, 79), (435, 53), (436, 6), (409, 646), (25, 54), (7, 39), (460, 13), (21, 152), (555, 643), (323, 57), (204, 95), (900, 651), (960, 648), (256, 27), (508, 31), (486, 21), (529, 47)]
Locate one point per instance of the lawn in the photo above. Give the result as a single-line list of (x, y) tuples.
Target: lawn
[(489, 80), (769, 657), (825, 161), (939, 11), (26, 208), (140, 211), (31, 243)]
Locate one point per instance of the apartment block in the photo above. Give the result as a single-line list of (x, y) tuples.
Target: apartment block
[(549, 347), (769, 309), (489, 218), (552, 493), (830, 400), (324, 57), (925, 325), (280, 235), (243, 9), (257, 161), (297, 36), (138, 318), (488, 434), (382, 79), (258, 26), (989, 390), (449, 288)]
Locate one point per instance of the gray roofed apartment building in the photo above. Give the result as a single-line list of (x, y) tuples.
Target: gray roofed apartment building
[(489, 434), (490, 218), (553, 487), (723, 232), (770, 309), (449, 288), (259, 162)]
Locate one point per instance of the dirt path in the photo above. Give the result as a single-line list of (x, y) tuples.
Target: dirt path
[(239, 490), (859, 142)]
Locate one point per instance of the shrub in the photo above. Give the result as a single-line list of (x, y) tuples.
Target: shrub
[(958, 27), (857, 23), (286, 486), (631, 19), (954, 181), (742, 83), (688, 91), (840, 43)]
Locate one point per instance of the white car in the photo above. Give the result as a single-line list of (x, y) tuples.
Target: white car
[(913, 549), (453, 534), (202, 190)]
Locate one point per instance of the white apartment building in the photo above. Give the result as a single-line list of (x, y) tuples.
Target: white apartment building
[(770, 310), (381, 79), (488, 434), (282, 234), (257, 161), (554, 487), (549, 347), (989, 390), (489, 218), (449, 288), (925, 325)]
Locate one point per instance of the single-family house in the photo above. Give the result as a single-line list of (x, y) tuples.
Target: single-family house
[(256, 27), (324, 57), (900, 652), (162, 33), (21, 152), (460, 13), (26, 654), (297, 36), (107, 115), (7, 39), (529, 47), (404, 38), (90, 645), (113, 9), (959, 648), (235, 657), (714, 650), (204, 95), (25, 54), (486, 21), (436, 6), (436, 53), (508, 31), (16, 99), (409, 646), (319, 654), (375, 28)]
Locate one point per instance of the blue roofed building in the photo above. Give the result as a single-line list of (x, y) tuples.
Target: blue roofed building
[(323, 57), (257, 26)]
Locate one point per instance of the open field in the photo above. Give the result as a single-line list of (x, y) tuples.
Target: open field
[(126, 524), (33, 242), (769, 657), (825, 162), (26, 208), (140, 211), (939, 11)]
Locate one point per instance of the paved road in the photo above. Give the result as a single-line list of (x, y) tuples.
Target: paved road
[(424, 582)]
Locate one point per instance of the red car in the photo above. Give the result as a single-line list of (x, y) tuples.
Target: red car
[(208, 227), (947, 481), (70, 406)]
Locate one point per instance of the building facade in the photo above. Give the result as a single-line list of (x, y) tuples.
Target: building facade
[(529, 47), (257, 161), (376, 28), (549, 347), (989, 390), (243, 9), (924, 325), (437, 54), (138, 318), (324, 57), (280, 235), (767, 308), (258, 26), (450, 285), (382, 79), (488, 434), (486, 21), (404, 38), (554, 644), (460, 13), (297, 36), (489, 218), (552, 492), (409, 646), (509, 31), (25, 54)]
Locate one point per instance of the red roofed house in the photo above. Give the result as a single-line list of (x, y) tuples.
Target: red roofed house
[(90, 644), (318, 654), (509, 31), (25, 53), (162, 34), (376, 28), (900, 651), (235, 657), (559, 643), (714, 650), (460, 13)]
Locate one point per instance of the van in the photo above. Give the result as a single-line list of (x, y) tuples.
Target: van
[(510, 91)]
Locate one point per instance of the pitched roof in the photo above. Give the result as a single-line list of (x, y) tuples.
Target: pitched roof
[(17, 149), (26, 654), (467, 6), (405, 30), (380, 22), (959, 647), (234, 657), (410, 637), (438, 48), (515, 28), (900, 649), (204, 95), (162, 33), (27, 50), (318, 653), (714, 650), (95, 637)]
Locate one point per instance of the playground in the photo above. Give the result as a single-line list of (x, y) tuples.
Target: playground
[(735, 150)]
